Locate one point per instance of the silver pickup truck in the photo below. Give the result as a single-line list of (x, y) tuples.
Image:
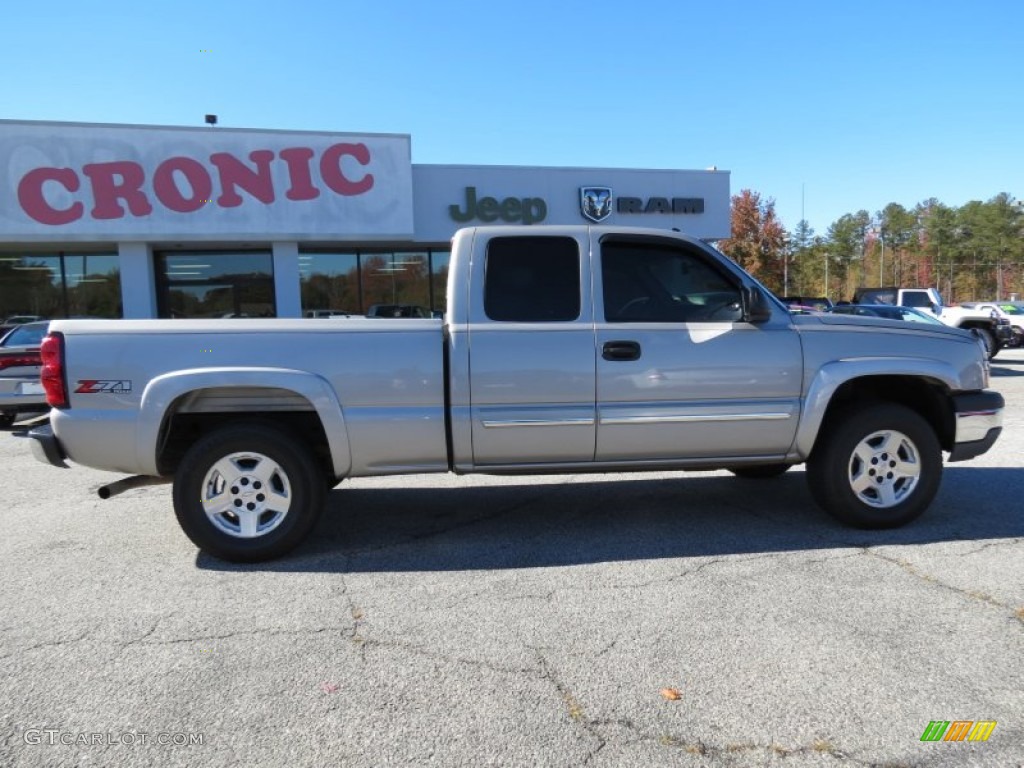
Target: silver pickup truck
[(563, 349)]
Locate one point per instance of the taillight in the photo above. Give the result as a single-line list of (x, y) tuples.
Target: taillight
[(52, 375), (19, 361)]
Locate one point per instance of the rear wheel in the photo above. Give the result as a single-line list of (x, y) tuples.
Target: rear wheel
[(7, 418), (248, 493), (878, 466)]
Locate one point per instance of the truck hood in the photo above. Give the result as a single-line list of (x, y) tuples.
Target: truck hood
[(859, 322)]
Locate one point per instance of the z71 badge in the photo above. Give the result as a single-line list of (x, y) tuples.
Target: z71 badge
[(98, 386)]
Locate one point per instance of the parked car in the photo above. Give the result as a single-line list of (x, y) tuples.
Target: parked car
[(397, 310), (1009, 311), (14, 321), (979, 322), (20, 364), (906, 314), (813, 303), (888, 311), (329, 313), (802, 309)]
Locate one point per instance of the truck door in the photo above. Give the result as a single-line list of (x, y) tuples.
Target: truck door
[(531, 351), (679, 374)]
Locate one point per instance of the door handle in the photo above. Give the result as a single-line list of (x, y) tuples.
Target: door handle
[(621, 350)]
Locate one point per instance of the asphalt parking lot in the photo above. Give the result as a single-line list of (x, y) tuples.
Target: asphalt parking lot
[(519, 622)]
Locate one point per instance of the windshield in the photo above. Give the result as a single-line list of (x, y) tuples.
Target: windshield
[(1011, 309), (914, 316), (26, 335)]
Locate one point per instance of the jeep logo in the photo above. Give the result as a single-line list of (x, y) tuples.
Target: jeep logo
[(528, 210)]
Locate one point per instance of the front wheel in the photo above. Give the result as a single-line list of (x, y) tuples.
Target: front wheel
[(991, 343), (876, 466), (248, 493)]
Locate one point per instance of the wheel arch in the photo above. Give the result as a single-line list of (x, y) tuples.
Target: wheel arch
[(927, 392), (178, 408)]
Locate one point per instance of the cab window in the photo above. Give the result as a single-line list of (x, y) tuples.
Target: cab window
[(654, 283), (532, 279)]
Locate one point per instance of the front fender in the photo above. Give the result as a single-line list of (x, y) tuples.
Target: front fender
[(164, 390), (833, 375)]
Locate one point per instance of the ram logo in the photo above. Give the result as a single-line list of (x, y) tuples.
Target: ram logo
[(98, 386), (596, 202)]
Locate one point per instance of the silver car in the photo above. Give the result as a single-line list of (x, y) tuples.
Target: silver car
[(20, 364)]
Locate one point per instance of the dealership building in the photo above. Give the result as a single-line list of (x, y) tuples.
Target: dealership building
[(155, 221)]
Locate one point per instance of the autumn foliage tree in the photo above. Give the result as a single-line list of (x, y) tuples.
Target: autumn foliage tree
[(973, 252), (758, 239)]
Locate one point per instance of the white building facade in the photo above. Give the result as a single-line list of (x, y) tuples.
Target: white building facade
[(155, 221)]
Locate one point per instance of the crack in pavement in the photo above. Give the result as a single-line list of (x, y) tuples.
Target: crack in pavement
[(989, 545), (771, 751), (398, 645), (913, 570), (141, 640), (695, 570), (592, 727), (48, 644), (573, 707), (357, 614), (729, 559)]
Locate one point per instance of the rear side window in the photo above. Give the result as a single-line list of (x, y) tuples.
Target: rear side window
[(532, 279), (916, 299)]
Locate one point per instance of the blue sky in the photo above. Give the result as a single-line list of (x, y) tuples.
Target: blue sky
[(848, 105)]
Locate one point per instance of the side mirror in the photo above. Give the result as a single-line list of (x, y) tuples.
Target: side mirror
[(756, 308)]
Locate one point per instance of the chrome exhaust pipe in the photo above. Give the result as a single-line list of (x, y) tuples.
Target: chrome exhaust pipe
[(127, 483)]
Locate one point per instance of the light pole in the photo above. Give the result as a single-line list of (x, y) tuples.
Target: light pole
[(828, 258), (881, 258), (785, 267)]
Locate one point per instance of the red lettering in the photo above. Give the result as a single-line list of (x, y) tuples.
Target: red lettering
[(106, 191), (185, 185), (234, 173), (166, 187), (302, 187), (33, 202), (334, 177)]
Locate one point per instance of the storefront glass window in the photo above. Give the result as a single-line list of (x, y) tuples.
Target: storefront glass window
[(94, 285), (53, 285), (215, 284), (398, 280), (439, 279), (329, 284)]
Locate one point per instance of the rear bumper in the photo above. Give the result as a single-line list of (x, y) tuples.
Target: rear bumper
[(46, 447), (979, 420), (22, 394)]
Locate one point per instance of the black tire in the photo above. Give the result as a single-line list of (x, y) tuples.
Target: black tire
[(843, 470), (990, 342), (7, 418), (759, 471), (218, 499)]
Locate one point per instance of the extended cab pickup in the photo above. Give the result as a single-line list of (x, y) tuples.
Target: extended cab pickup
[(564, 348)]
